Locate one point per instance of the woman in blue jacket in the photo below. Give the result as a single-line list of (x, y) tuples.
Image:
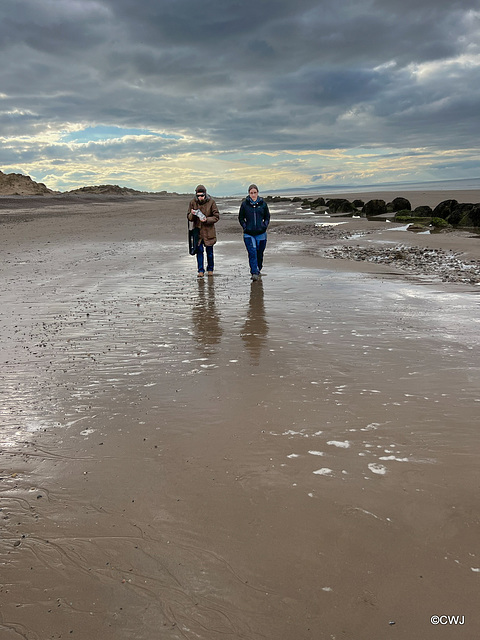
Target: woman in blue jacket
[(254, 217)]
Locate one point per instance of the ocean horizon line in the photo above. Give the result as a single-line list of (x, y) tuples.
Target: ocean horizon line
[(432, 185)]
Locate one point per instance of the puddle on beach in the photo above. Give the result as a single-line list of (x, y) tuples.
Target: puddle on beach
[(328, 224), (406, 227), (157, 429)]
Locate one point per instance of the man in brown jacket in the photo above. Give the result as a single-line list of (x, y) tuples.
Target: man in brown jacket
[(203, 212)]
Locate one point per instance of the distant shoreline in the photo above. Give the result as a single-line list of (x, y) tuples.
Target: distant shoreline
[(13, 205), (464, 184)]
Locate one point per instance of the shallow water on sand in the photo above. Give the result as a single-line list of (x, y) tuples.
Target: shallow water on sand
[(219, 458)]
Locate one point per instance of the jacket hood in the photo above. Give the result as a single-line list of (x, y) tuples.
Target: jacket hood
[(259, 200)]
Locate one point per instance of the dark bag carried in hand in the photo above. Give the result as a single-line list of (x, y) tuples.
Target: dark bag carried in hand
[(193, 238)]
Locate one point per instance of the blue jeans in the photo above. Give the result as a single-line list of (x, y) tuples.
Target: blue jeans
[(209, 251), (255, 247)]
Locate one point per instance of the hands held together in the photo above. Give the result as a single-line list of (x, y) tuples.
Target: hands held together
[(199, 214)]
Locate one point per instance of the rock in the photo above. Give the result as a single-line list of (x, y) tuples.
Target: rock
[(474, 215), (459, 212), (375, 208), (401, 204), (340, 205), (466, 215), (423, 211), (444, 208), (276, 199)]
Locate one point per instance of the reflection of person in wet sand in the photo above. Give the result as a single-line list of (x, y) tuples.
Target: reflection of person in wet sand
[(205, 317), (255, 328)]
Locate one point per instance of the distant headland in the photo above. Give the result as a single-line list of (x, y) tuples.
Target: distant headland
[(17, 184)]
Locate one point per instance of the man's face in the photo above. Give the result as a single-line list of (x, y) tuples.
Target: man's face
[(201, 196)]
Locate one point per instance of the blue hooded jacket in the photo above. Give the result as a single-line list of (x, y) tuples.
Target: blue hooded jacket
[(254, 216)]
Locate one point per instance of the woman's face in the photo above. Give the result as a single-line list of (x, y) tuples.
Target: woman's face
[(253, 193)]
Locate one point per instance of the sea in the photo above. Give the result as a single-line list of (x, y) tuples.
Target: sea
[(466, 184)]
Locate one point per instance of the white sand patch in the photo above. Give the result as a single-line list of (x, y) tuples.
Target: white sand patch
[(328, 224), (316, 453), (368, 513), (371, 427), (324, 471), (377, 468), (291, 432), (342, 444)]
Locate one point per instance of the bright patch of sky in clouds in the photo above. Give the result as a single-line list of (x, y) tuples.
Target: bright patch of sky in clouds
[(164, 94), (99, 133)]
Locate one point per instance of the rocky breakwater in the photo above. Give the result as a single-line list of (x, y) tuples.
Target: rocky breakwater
[(449, 213), (458, 214)]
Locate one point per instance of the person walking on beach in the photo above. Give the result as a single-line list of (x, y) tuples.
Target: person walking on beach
[(203, 212), (254, 217)]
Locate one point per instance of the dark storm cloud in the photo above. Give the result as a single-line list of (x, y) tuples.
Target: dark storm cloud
[(244, 75)]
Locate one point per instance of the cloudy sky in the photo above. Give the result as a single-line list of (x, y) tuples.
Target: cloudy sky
[(164, 94)]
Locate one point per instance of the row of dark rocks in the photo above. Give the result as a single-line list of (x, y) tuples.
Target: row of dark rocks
[(452, 212)]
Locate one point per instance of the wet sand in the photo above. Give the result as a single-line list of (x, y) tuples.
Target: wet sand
[(289, 459)]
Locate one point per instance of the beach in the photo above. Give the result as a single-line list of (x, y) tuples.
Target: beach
[(287, 459)]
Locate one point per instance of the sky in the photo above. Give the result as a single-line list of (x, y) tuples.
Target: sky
[(166, 94)]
